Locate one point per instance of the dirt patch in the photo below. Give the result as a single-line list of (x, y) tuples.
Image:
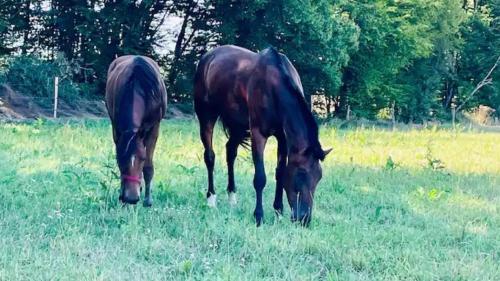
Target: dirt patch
[(15, 106), (177, 112)]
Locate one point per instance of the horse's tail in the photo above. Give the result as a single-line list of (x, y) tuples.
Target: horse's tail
[(200, 69), (200, 88), (244, 135), (202, 103)]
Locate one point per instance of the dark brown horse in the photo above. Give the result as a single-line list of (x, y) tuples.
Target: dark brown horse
[(257, 96), (136, 101)]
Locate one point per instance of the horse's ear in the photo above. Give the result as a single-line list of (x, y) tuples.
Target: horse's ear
[(326, 152)]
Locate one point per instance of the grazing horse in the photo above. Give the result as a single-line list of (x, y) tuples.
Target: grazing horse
[(257, 96), (136, 101)]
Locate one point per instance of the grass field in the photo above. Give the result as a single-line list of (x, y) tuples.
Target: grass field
[(413, 205)]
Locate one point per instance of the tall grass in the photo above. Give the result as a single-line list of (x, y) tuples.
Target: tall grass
[(416, 205)]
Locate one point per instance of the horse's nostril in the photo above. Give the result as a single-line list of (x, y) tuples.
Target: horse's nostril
[(134, 201)]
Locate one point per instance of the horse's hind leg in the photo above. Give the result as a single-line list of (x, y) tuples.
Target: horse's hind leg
[(235, 139), (207, 124), (148, 170)]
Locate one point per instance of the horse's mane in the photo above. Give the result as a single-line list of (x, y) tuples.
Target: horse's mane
[(142, 81), (294, 84), (125, 147), (145, 76)]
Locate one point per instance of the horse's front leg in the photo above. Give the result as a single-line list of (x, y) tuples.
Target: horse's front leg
[(280, 173), (149, 170), (259, 180)]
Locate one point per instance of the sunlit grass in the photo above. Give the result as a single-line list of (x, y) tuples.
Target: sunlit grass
[(412, 205)]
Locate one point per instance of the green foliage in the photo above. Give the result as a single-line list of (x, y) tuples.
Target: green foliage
[(396, 59), (90, 32), (430, 78), (481, 33), (423, 56), (316, 35), (432, 162), (35, 77), (390, 164)]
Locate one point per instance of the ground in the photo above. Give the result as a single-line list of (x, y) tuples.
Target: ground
[(404, 205)]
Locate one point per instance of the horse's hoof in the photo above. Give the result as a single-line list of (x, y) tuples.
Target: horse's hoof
[(148, 203), (259, 217), (212, 201), (232, 199)]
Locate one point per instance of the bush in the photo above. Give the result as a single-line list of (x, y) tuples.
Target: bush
[(33, 76)]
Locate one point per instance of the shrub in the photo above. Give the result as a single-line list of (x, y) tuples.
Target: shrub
[(33, 76)]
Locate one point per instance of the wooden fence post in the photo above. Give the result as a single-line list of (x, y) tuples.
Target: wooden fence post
[(453, 115), (56, 95), (393, 117)]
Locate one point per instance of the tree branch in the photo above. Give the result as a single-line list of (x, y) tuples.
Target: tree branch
[(486, 81)]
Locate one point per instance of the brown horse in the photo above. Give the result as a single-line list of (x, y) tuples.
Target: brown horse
[(257, 96), (136, 101)]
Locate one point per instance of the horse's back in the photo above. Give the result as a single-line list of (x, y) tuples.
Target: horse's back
[(221, 86), (221, 69)]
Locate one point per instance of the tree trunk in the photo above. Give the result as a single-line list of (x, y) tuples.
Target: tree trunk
[(342, 104), (451, 90), (343, 100), (27, 28), (178, 48)]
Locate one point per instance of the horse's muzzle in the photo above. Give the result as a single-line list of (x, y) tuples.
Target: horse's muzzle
[(129, 199), (303, 217)]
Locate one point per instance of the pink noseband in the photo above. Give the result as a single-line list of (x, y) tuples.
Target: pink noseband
[(132, 179)]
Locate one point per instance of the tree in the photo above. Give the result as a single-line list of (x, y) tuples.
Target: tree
[(191, 41), (481, 33), (317, 36), (393, 36), (19, 25), (430, 82), (420, 56)]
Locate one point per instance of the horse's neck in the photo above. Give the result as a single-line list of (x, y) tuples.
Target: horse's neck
[(294, 124)]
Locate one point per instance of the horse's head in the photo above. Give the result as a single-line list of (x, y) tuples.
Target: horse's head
[(131, 154), (303, 174)]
